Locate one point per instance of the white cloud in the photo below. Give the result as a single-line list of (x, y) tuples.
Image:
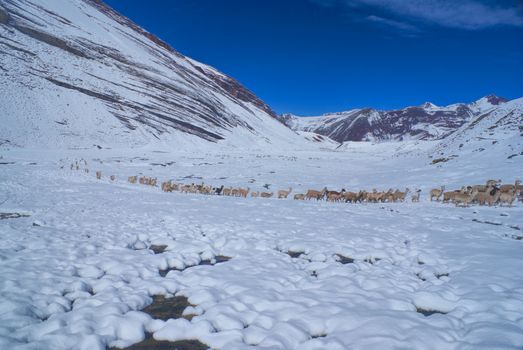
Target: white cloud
[(390, 22), (463, 14)]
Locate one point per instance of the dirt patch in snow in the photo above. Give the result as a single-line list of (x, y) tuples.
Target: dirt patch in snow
[(164, 308), (152, 344), (4, 216), (344, 259), (158, 248), (216, 260)]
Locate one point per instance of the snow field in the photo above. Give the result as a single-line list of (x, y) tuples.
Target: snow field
[(77, 271)]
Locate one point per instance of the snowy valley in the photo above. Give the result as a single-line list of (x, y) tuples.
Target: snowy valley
[(93, 259)]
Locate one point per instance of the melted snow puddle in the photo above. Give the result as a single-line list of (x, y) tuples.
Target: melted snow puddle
[(152, 344), (427, 313), (165, 308), (5, 216)]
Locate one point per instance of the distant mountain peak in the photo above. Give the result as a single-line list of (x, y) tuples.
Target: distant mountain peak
[(494, 100), (428, 105)]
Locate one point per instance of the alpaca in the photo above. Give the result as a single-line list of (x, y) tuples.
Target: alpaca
[(490, 197), (465, 198), (510, 187), (437, 193), (508, 197), (351, 197), (283, 193), (98, 174), (316, 194), (218, 191), (334, 196), (373, 196), (166, 186), (416, 195), (449, 195), (400, 196), (242, 192)]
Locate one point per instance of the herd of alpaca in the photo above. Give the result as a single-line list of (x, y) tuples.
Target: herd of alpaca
[(492, 193)]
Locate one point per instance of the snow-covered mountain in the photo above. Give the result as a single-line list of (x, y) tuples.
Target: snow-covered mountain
[(76, 74), (424, 122), (493, 134)]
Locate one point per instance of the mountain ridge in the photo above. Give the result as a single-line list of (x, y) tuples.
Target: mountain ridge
[(424, 122)]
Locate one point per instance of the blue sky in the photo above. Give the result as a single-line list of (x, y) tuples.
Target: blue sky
[(314, 56)]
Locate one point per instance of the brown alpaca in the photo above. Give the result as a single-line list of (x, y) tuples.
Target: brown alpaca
[(335, 196), (166, 186), (483, 188), (490, 197), (132, 179), (400, 196), (98, 174), (508, 197), (373, 196), (449, 196), (112, 177), (351, 197), (299, 196), (186, 188), (316, 194), (266, 194), (464, 199), (283, 193), (242, 192), (437, 193), (509, 187), (254, 194)]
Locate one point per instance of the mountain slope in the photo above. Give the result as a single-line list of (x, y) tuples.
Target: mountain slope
[(491, 137), (75, 73), (425, 122)]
